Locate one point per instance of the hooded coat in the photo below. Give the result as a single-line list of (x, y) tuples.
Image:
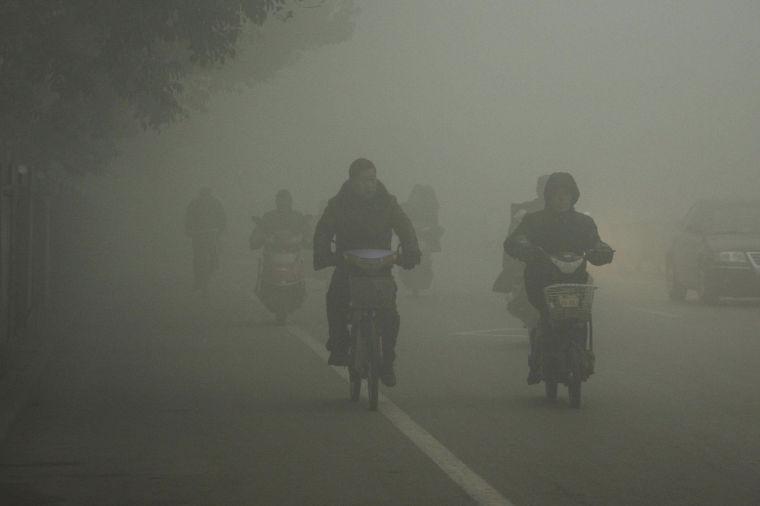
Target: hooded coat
[(553, 232), (355, 223), (204, 214), (276, 220)]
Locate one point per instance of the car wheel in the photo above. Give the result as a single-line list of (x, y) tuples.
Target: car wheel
[(676, 290), (706, 292)]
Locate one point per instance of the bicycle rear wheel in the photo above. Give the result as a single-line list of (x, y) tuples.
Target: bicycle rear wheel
[(550, 387), (574, 391), (354, 385)]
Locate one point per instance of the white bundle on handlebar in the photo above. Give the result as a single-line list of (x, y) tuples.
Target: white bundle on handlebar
[(371, 259), (568, 267), (366, 288)]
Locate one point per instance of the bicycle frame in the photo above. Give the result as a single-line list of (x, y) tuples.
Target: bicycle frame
[(371, 293)]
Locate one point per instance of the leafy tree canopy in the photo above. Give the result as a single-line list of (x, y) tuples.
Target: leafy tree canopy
[(76, 74)]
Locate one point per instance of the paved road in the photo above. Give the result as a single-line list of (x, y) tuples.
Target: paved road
[(156, 397)]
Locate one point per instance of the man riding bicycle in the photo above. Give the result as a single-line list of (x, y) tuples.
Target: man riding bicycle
[(205, 220), (363, 215), (555, 229)]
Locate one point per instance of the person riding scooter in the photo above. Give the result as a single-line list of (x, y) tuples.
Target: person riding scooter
[(553, 230), (205, 221), (282, 233)]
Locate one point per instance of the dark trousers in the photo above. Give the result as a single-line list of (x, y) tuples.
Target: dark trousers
[(205, 259), (543, 338), (339, 315)]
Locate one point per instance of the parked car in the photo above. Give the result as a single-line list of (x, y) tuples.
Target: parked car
[(716, 251)]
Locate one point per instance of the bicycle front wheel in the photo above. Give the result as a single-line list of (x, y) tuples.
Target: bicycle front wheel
[(373, 377)]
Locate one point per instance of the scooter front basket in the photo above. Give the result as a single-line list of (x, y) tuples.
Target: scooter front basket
[(569, 301)]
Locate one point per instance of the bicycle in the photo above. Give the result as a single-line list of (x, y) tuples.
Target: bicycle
[(372, 291)]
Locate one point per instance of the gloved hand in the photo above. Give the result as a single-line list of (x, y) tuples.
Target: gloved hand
[(410, 259), (601, 254), (332, 260), (532, 254)]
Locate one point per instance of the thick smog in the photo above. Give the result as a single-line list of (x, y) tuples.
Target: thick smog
[(342, 252)]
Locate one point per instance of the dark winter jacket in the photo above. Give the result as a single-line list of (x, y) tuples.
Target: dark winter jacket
[(205, 214), (523, 208), (358, 224), (277, 220)]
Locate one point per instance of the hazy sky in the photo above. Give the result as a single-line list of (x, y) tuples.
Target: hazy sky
[(650, 104)]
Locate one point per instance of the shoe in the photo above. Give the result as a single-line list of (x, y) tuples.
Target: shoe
[(339, 358), (388, 376), (534, 377)]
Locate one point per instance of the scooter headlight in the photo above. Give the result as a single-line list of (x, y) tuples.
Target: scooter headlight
[(732, 257)]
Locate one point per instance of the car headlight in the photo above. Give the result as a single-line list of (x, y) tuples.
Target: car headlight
[(732, 257)]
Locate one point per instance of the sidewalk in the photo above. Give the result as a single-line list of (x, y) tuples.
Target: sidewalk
[(28, 355)]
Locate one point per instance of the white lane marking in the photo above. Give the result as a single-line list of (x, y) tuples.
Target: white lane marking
[(654, 312), (507, 332), (475, 486), (640, 282), (491, 336)]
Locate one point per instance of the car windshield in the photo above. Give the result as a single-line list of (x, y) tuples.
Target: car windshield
[(735, 219)]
